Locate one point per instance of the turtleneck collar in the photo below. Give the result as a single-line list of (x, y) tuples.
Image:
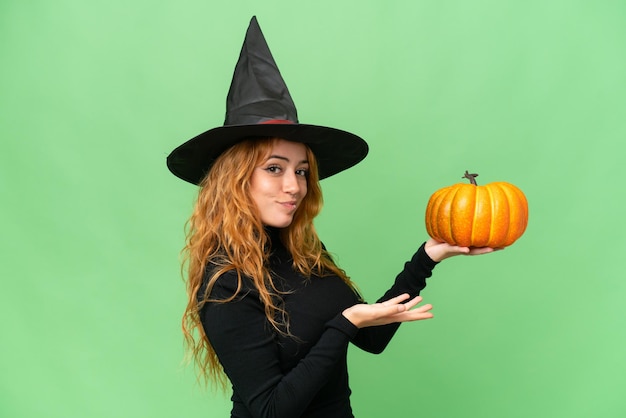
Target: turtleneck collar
[(275, 243), (273, 234)]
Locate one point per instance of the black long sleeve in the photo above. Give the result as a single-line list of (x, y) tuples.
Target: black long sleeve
[(411, 280), (303, 375)]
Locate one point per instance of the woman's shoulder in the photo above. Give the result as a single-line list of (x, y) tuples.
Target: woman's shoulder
[(227, 284)]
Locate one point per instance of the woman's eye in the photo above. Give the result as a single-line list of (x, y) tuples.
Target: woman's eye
[(273, 169), (302, 172)]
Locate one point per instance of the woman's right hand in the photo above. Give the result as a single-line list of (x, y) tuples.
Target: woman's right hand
[(438, 251), (391, 311)]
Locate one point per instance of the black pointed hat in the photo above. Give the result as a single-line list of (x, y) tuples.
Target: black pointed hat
[(259, 105)]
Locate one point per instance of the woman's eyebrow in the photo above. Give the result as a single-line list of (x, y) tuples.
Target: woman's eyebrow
[(280, 157)]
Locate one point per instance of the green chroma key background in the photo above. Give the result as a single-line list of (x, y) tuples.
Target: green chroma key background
[(94, 95)]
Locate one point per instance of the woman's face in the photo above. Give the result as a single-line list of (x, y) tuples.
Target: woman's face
[(279, 184)]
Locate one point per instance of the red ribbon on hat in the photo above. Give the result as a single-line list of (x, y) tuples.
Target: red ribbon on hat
[(277, 122)]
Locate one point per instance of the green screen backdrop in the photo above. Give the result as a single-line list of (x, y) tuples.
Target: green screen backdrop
[(95, 94)]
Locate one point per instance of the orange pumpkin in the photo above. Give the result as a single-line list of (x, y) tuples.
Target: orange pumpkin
[(469, 215)]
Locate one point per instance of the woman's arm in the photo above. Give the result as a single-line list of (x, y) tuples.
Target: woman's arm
[(379, 322)]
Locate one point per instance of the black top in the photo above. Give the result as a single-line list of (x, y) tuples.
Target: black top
[(304, 375)]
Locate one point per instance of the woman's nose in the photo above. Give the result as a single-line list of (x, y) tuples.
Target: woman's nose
[(290, 183)]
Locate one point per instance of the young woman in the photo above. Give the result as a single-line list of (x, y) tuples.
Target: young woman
[(268, 309)]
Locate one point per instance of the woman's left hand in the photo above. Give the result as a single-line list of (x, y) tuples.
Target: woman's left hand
[(390, 311), (439, 251)]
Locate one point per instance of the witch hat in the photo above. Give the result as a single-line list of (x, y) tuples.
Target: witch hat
[(259, 105)]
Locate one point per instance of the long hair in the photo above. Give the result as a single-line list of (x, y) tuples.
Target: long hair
[(225, 232)]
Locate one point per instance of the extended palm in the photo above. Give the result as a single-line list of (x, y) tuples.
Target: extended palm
[(393, 310)]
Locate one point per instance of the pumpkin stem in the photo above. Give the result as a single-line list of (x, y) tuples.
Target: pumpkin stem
[(471, 177)]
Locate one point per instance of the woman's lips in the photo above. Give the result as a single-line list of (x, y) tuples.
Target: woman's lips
[(289, 205)]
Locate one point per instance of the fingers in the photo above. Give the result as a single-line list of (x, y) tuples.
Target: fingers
[(459, 250), (413, 302), (483, 250), (396, 300), (418, 314), (420, 311), (408, 311)]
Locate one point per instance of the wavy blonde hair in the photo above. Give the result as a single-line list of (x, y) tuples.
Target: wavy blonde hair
[(226, 231)]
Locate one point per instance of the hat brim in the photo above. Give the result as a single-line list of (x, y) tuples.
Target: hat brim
[(335, 150)]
